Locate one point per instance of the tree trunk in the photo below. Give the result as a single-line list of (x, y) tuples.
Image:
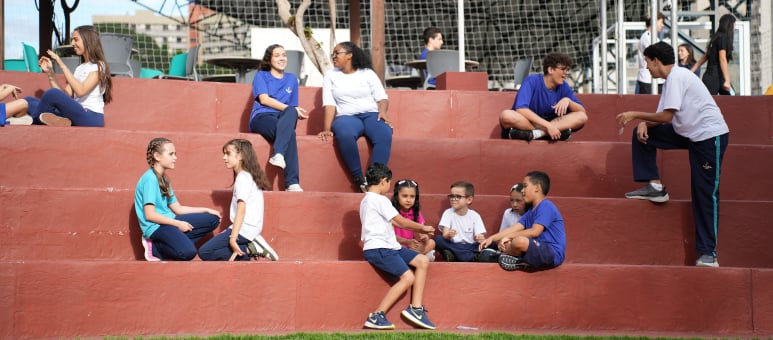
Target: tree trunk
[(310, 45)]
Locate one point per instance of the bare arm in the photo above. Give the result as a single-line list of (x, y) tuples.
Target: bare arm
[(330, 114), (152, 216), (241, 210), (405, 223), (74, 86), (180, 209), (724, 69), (383, 106), (7, 90), (656, 117), (699, 63), (511, 230)]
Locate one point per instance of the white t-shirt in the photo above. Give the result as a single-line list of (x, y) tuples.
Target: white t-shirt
[(644, 75), (466, 226), (93, 100), (246, 190), (509, 218), (353, 93), (697, 115), (376, 214)]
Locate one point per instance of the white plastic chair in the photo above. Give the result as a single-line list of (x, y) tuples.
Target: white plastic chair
[(118, 49), (295, 64), (440, 61), (521, 71)]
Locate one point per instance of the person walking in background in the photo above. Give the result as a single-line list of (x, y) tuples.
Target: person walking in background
[(81, 100), (170, 230), (686, 58), (275, 112), (433, 40), (644, 79), (243, 238), (719, 53), (545, 107), (687, 117), (355, 105)]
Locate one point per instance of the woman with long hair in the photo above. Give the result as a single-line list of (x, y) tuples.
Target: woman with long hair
[(719, 53)]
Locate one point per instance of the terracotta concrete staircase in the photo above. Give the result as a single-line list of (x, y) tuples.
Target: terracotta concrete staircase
[(70, 257)]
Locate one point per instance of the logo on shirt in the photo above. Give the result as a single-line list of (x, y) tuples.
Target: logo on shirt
[(289, 90)]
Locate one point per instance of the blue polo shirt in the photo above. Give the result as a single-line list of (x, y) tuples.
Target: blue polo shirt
[(547, 215), (535, 96), (284, 90)]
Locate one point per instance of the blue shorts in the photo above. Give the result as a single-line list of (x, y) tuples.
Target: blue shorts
[(394, 262), (539, 255)]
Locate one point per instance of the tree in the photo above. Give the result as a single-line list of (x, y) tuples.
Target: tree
[(311, 46)]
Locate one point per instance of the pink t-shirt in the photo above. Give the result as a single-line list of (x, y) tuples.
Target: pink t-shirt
[(405, 233)]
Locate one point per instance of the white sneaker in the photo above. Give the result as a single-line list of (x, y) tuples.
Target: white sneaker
[(23, 120), (278, 160), (294, 187), (267, 252), (707, 261)]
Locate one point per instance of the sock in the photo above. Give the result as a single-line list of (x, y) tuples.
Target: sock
[(657, 186), (537, 133)]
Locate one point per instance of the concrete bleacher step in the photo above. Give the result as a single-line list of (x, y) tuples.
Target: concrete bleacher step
[(208, 107), (107, 158), (53, 299), (92, 224)]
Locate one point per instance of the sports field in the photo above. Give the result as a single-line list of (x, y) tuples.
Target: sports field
[(418, 335)]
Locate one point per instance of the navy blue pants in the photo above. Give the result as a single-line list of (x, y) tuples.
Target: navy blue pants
[(219, 247), (705, 167), (169, 243), (464, 252), (347, 129), (59, 103), (278, 128)]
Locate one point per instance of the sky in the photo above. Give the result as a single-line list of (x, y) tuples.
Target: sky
[(21, 18)]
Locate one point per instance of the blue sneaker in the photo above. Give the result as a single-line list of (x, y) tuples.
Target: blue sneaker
[(418, 315), (378, 320)]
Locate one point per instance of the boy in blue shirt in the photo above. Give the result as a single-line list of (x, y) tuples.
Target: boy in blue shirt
[(545, 106), (538, 239)]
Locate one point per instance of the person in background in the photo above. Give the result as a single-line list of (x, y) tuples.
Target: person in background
[(719, 53), (686, 58), (433, 40), (644, 78)]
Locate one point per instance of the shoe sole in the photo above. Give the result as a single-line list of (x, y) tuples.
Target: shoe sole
[(510, 263), (26, 120), (704, 264), (370, 325), (51, 119), (268, 252), (658, 199), (149, 254), (416, 321), (276, 164)]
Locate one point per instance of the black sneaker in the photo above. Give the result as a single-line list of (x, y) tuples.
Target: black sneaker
[(448, 255), (565, 135), (648, 192), (526, 135), (361, 183), (489, 255), (511, 263)]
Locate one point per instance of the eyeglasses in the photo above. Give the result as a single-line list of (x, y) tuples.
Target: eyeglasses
[(335, 53), (407, 182), (455, 197), (563, 68)]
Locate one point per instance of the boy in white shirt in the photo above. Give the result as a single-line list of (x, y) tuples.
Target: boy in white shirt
[(381, 250), (461, 226)]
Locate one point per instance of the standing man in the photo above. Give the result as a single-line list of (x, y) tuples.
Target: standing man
[(644, 79), (687, 117)]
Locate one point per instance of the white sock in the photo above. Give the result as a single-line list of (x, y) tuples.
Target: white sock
[(657, 186), (537, 133)]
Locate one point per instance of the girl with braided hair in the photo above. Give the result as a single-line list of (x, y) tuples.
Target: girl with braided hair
[(242, 239), (170, 230)]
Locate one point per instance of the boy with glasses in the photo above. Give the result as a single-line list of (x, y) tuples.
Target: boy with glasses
[(545, 106), (461, 227)]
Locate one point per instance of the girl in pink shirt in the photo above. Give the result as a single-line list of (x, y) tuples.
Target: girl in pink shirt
[(406, 201)]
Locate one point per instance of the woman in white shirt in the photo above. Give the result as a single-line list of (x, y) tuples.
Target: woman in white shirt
[(82, 99), (355, 105)]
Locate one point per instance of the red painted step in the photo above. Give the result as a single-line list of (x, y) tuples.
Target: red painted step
[(168, 105), (105, 158), (52, 299), (102, 225)]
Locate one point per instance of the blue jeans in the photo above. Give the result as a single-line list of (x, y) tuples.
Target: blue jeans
[(278, 128), (347, 129), (464, 252), (169, 243), (59, 103), (219, 248)]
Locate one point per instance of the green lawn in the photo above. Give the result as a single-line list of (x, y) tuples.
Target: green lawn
[(391, 335)]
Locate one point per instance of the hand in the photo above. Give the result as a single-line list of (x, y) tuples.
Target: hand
[(641, 133), (428, 230), (561, 107), (324, 135), (301, 113), (480, 238), (625, 117), (727, 86), (212, 212), (413, 244), (448, 233), (235, 246), (504, 243), (55, 57), (45, 65), (422, 237), (553, 132), (385, 118), (15, 90), (485, 243), (184, 226)]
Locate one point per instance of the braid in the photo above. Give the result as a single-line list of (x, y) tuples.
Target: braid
[(157, 145)]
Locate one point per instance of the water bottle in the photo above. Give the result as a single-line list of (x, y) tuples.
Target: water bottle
[(732, 92)]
